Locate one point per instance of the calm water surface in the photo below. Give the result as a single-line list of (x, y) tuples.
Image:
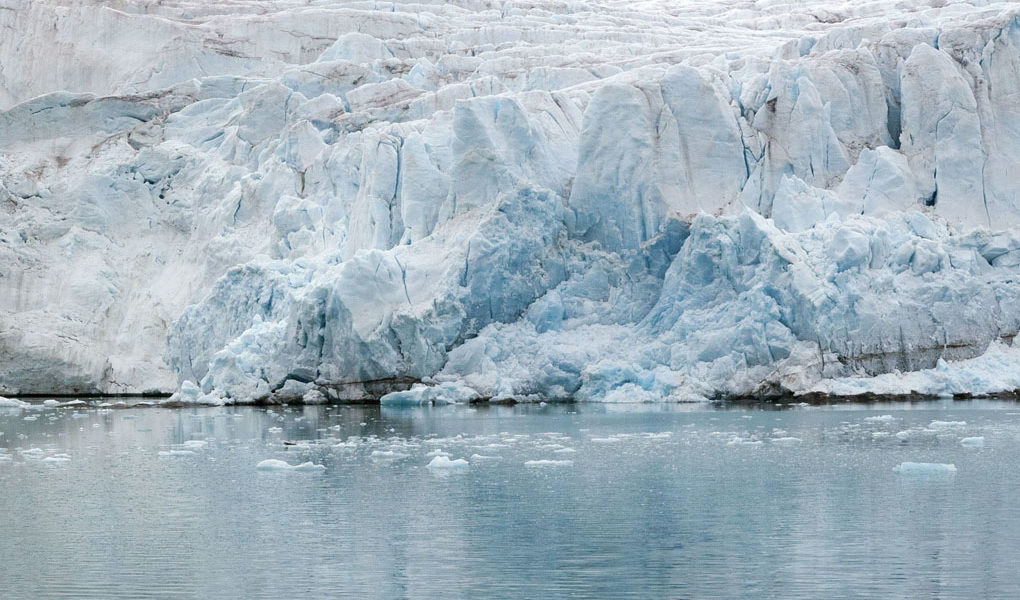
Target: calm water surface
[(643, 502)]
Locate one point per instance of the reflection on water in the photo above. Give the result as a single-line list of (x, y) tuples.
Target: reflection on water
[(556, 501)]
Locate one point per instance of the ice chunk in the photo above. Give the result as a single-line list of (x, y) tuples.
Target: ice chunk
[(272, 464), (880, 419), (13, 403), (973, 442), (548, 463), (444, 393), (387, 455), (177, 453), (916, 468), (444, 462)]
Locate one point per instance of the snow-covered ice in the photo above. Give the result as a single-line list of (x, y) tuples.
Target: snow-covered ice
[(442, 202)]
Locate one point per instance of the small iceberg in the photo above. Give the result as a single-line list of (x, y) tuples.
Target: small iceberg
[(444, 462), (917, 468), (973, 442), (272, 464)]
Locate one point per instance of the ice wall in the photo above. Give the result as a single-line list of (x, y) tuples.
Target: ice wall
[(547, 199)]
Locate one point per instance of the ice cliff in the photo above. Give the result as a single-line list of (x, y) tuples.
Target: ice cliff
[(549, 199)]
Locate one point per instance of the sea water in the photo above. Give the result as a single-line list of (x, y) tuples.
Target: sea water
[(529, 501)]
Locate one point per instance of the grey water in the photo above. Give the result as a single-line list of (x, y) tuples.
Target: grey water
[(646, 501)]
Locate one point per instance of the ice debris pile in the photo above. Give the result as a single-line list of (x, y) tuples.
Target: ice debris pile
[(617, 201)]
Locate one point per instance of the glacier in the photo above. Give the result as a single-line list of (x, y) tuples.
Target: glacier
[(436, 202)]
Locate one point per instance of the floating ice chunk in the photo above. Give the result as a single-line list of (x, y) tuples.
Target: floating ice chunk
[(564, 451), (13, 403), (548, 463), (273, 464), (32, 453), (606, 440), (787, 441), (880, 419), (946, 424), (56, 458), (973, 442), (195, 444), (482, 457), (444, 462), (179, 453), (51, 403), (387, 455), (916, 468)]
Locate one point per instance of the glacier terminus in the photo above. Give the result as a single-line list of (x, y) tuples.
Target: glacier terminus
[(280, 200)]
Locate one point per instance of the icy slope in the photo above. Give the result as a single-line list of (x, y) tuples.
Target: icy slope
[(613, 201)]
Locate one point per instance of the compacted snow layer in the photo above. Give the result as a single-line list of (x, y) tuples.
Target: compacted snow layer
[(620, 201)]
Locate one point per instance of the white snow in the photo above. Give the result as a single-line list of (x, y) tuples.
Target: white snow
[(273, 464), (613, 201)]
